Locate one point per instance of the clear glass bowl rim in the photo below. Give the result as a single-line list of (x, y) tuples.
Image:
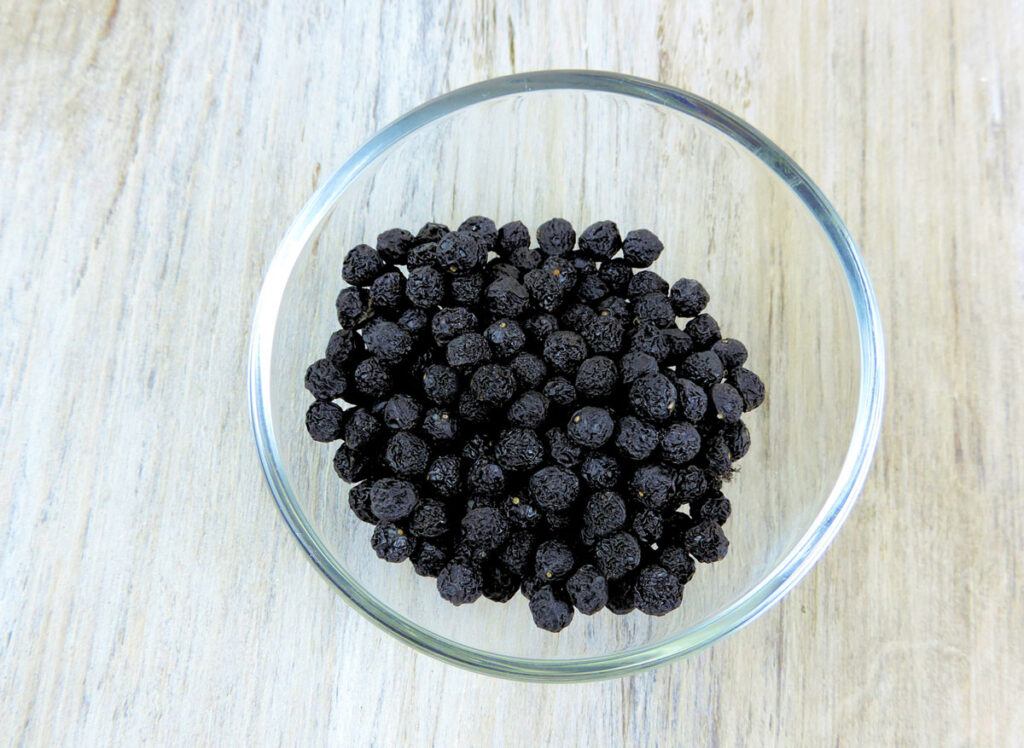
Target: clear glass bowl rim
[(777, 583)]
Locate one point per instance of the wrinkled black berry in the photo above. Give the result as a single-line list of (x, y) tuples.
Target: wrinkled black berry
[(529, 410), (617, 555), (520, 512), (706, 542), (635, 365), (485, 477), (590, 427), (351, 466), (691, 483), (431, 232), (703, 331), (483, 229), (688, 297), (621, 598), (717, 455), (359, 502), (562, 449), (499, 584), (422, 255), (587, 589), (443, 477), (604, 334), (550, 609), (654, 397), (596, 378), (525, 258), (387, 341), (512, 236), (680, 443), (731, 352), (361, 265), (703, 367), (650, 339), (425, 287), (391, 542), (716, 508), (465, 290), (693, 401), (429, 520), (325, 421), (506, 338), (641, 248), (519, 449), (460, 583), (657, 591), (556, 237), (507, 297), (387, 293), (616, 273), (553, 560), (654, 308), (472, 409), (750, 387), (440, 384), (539, 326), (646, 282), (459, 252), (530, 370), (325, 381), (429, 558), (485, 528), (678, 562), (468, 351), (517, 554), (493, 384), (600, 240), (343, 346), (727, 403), (560, 391), (393, 245), (647, 526), (393, 499), (407, 455), (600, 471), (636, 439), (679, 344), (591, 288), (615, 306), (361, 429), (554, 489), (449, 324), (564, 351), (653, 486), (737, 439), (351, 307), (402, 413), (576, 317), (440, 425), (414, 322)]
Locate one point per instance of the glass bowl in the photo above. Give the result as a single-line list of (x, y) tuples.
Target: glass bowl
[(733, 211)]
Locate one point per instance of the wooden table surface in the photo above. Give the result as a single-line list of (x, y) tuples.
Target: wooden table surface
[(150, 158)]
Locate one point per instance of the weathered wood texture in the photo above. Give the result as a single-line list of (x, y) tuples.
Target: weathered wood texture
[(152, 155)]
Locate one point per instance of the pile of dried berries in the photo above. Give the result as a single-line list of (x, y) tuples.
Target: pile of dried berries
[(533, 419)]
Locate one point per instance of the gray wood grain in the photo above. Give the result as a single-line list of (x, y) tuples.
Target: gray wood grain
[(152, 156)]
